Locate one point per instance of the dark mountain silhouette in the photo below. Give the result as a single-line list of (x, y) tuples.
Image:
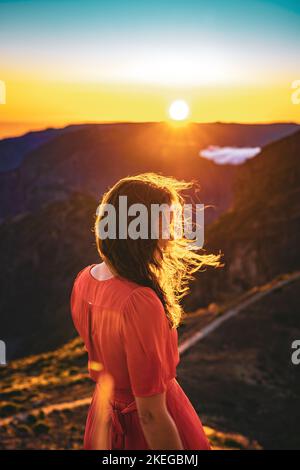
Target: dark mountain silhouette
[(40, 255), (13, 150), (90, 158), (241, 377), (259, 235)]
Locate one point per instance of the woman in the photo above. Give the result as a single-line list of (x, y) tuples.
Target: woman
[(127, 311)]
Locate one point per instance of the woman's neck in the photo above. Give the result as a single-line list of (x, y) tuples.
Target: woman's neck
[(102, 272)]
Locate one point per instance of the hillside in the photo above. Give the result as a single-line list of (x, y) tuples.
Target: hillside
[(45, 398), (91, 159), (54, 163), (40, 255), (13, 150), (241, 377), (259, 234)]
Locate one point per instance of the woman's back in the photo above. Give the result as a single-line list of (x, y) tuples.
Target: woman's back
[(126, 332), (127, 335)]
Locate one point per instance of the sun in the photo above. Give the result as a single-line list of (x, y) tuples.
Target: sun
[(179, 110)]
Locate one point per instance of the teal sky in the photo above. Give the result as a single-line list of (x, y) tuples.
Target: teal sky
[(66, 61), (115, 40)]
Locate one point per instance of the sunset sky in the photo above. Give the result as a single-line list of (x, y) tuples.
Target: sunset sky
[(79, 61)]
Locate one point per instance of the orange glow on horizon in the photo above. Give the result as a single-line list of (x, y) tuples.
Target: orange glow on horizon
[(35, 104)]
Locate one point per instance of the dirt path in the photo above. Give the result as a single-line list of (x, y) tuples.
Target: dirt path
[(68, 405), (232, 312)]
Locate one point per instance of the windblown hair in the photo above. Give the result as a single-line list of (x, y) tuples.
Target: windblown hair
[(166, 268)]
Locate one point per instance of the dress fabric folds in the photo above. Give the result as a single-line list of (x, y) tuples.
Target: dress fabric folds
[(127, 335)]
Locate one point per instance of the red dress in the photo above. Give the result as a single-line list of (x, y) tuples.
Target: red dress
[(125, 329)]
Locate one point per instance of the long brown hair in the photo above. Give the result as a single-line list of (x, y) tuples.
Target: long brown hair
[(168, 269)]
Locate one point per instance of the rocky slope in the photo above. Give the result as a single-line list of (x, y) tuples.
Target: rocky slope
[(40, 255), (241, 377), (44, 403), (259, 234), (13, 150), (47, 166)]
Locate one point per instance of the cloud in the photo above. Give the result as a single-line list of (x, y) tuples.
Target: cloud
[(231, 155)]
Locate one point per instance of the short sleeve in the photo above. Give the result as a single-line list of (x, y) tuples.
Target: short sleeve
[(144, 331), (74, 289)]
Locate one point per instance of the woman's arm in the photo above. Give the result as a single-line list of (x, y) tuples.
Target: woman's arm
[(159, 428)]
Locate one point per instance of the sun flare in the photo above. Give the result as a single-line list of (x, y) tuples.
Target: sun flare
[(179, 110)]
